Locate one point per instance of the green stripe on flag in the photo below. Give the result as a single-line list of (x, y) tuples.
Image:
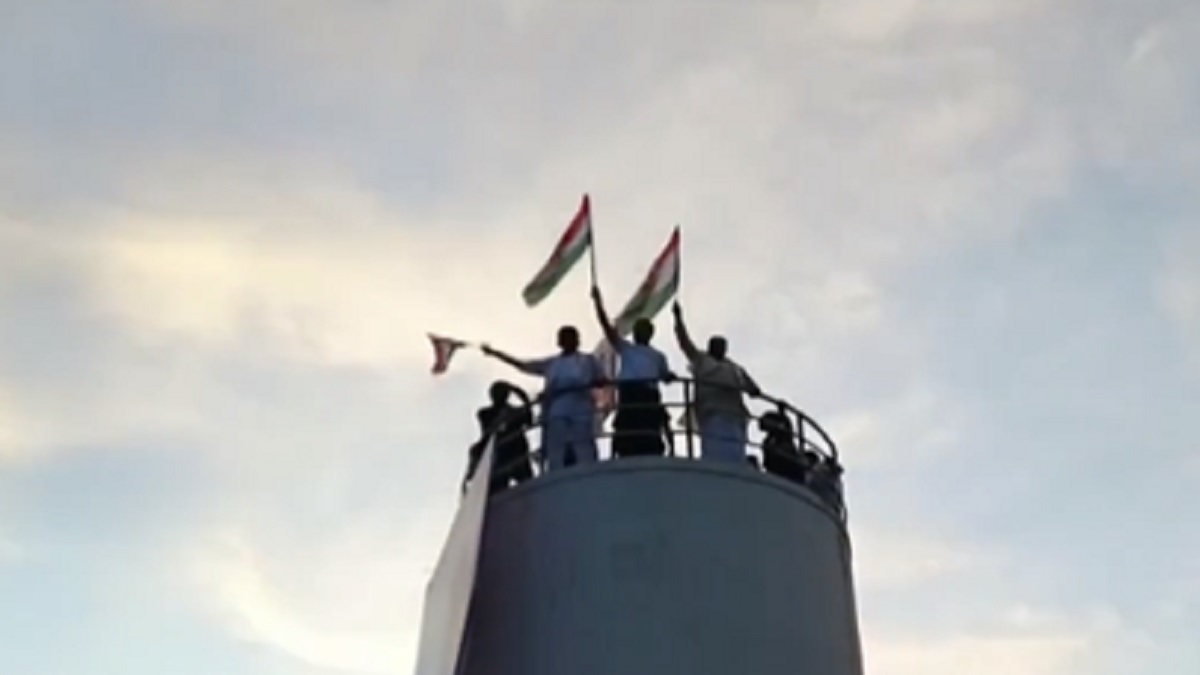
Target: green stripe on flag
[(552, 276)]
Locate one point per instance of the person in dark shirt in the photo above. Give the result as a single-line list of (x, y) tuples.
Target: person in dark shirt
[(781, 456), (507, 424)]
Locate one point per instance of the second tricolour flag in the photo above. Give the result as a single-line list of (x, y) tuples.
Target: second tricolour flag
[(656, 290), (571, 246)]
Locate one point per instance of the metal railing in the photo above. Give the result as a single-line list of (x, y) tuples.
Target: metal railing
[(810, 456)]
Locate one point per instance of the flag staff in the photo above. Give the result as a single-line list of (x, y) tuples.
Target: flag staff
[(592, 236), (679, 265), (689, 391)]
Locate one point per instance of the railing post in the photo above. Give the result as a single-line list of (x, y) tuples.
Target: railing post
[(801, 420), (688, 419)]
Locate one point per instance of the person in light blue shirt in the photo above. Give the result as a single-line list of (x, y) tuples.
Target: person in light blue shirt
[(568, 409), (641, 422)]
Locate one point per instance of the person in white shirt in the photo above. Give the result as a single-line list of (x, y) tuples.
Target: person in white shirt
[(568, 409), (641, 422), (720, 406)]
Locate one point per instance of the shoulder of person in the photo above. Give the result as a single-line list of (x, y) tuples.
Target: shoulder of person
[(625, 346)]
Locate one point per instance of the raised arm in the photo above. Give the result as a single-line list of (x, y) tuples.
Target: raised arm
[(527, 367), (681, 334), (526, 417), (519, 393), (610, 331)]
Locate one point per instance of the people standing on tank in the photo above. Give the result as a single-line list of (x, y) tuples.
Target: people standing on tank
[(641, 419), (568, 409), (720, 406), (506, 424)]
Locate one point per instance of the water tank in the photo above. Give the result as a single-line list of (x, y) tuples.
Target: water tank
[(661, 566)]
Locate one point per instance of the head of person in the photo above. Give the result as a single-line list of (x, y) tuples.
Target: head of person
[(718, 347), (498, 392), (643, 331), (774, 424), (568, 339)]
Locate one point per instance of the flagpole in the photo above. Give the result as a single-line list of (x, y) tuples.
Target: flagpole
[(679, 266), (592, 243)]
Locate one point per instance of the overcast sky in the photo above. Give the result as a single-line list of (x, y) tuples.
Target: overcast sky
[(961, 233)]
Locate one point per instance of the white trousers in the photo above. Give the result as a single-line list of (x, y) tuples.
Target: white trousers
[(723, 439)]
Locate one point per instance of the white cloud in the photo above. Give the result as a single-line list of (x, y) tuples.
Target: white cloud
[(355, 295), (844, 176), (881, 20), (1001, 654), (348, 599), (890, 560), (1178, 289), (916, 426), (815, 156), (11, 551), (11, 428), (1016, 638)]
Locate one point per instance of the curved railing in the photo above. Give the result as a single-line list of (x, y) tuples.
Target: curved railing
[(811, 460)]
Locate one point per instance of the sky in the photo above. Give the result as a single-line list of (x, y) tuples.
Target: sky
[(960, 233)]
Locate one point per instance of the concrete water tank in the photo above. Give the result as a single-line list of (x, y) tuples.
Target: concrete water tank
[(662, 567)]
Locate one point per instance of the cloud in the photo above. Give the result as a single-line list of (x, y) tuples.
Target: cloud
[(11, 431), (348, 599), (235, 254), (1013, 636), (12, 552), (916, 426), (997, 654), (898, 560), (1178, 291)]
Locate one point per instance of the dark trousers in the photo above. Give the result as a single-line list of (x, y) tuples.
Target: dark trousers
[(781, 458), (640, 421)]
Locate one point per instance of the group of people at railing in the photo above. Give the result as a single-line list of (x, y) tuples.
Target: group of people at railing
[(715, 402)]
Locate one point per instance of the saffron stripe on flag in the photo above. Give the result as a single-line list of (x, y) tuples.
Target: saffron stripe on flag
[(569, 249)]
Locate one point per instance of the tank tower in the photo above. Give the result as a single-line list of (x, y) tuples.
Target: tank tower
[(650, 566)]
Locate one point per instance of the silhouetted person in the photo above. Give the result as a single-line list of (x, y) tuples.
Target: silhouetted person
[(781, 455), (568, 410), (506, 424), (825, 479), (720, 407), (641, 419)]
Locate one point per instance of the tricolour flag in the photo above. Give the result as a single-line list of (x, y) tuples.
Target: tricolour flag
[(659, 286), (443, 351), (570, 248), (656, 290)]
